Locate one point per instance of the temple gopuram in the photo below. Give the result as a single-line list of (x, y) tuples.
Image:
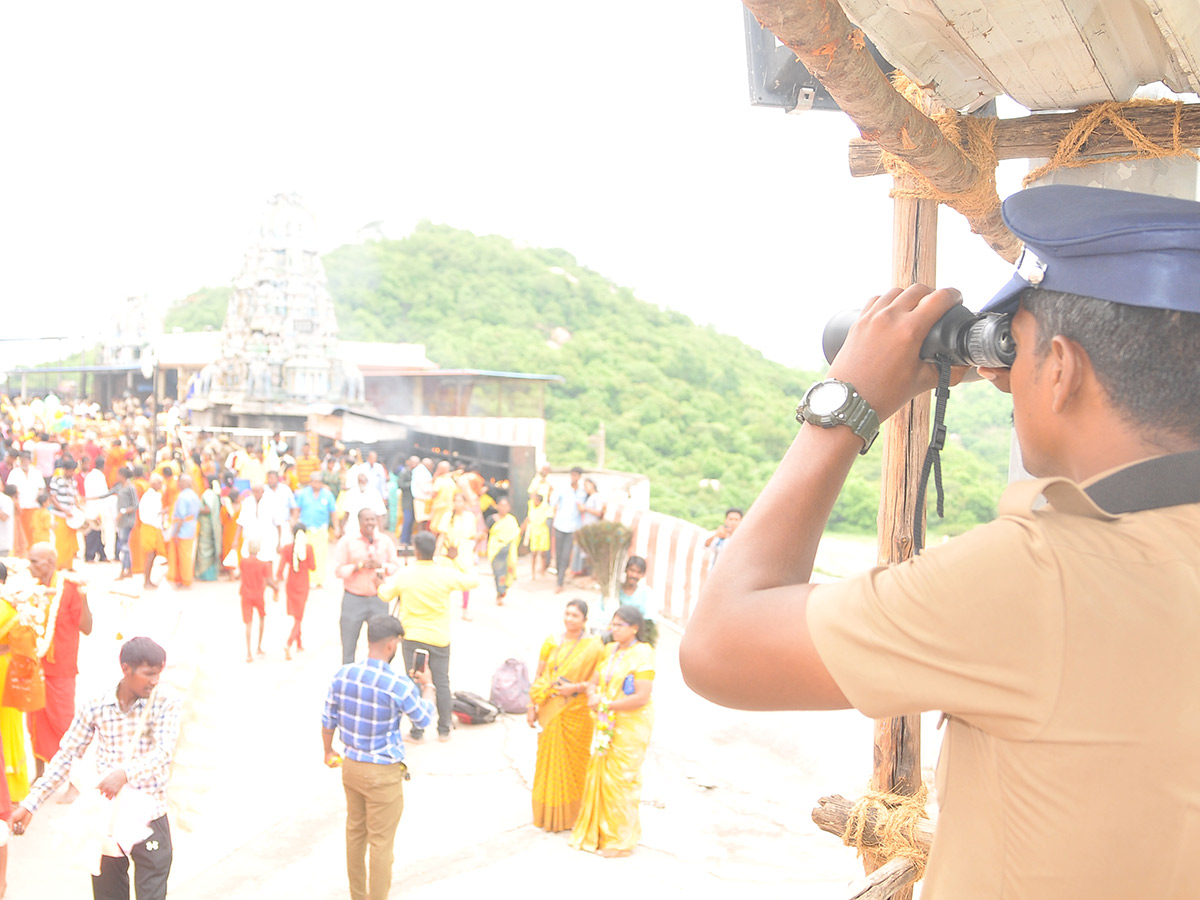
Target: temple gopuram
[(280, 356)]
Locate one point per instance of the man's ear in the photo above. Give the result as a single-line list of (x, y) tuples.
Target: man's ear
[(1067, 368)]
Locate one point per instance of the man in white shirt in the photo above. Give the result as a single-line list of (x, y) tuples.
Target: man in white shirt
[(359, 496), (422, 492), (29, 482), (287, 512), (8, 520), (257, 521), (377, 475), (150, 518), (96, 511)]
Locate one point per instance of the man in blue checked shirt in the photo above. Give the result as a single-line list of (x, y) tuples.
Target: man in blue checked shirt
[(366, 703)]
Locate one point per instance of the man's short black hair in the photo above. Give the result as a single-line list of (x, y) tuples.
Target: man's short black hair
[(383, 628), (424, 542), (575, 470), (141, 651), (1146, 359)]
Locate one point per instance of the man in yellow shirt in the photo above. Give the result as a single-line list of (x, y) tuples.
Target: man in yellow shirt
[(422, 595), (306, 464)]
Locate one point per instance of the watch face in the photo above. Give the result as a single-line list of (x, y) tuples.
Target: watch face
[(827, 397)]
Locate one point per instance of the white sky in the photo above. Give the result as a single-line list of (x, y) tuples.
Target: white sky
[(142, 141)]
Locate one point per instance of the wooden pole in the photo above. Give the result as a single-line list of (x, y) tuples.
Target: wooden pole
[(1036, 137), (897, 766), (833, 813)]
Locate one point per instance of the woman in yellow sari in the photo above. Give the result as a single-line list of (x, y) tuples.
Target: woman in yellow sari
[(12, 721), (619, 693), (558, 703)]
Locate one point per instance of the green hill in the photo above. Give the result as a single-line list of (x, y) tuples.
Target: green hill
[(679, 402)]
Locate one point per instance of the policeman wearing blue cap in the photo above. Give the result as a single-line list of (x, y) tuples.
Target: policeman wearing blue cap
[(1061, 639)]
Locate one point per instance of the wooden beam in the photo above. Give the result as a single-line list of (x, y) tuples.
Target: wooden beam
[(834, 51), (833, 813), (1038, 136), (888, 881)]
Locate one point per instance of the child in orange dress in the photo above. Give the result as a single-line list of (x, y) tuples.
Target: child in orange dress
[(297, 560), (256, 575)]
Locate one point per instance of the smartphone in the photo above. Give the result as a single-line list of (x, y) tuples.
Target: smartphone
[(420, 660)]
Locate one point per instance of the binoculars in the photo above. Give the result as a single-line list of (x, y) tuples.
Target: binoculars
[(967, 338)]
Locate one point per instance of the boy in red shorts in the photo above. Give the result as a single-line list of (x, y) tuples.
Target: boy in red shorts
[(256, 575)]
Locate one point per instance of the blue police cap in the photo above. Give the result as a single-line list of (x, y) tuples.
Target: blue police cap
[(1136, 249)]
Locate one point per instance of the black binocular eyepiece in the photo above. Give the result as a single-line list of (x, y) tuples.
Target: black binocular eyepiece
[(966, 338)]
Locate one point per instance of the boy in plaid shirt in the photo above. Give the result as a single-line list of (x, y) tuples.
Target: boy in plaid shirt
[(137, 730)]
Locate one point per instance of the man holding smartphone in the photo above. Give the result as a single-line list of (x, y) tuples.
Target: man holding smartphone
[(362, 560), (366, 703), (422, 594)]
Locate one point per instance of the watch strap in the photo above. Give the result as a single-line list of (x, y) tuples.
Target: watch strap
[(862, 420), (855, 413)]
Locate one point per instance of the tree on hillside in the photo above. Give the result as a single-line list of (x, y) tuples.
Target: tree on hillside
[(203, 310), (680, 403)]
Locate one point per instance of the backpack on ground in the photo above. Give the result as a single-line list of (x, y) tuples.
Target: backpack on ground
[(510, 686), (471, 709)]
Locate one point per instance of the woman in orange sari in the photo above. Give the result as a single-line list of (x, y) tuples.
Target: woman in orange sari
[(558, 703), (229, 512), (619, 693)]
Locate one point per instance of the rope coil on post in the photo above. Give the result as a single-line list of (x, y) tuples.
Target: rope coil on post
[(895, 818), (1075, 141), (974, 136), (978, 145)]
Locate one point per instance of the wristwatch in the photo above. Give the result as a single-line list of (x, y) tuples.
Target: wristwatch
[(831, 402)]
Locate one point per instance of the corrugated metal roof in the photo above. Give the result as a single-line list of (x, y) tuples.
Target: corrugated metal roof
[(487, 373), (196, 349), (1045, 54)]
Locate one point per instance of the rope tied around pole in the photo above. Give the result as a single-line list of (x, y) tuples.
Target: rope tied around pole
[(974, 136), (1074, 143), (895, 818), (977, 144)]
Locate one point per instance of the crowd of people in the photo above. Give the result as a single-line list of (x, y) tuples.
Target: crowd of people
[(180, 505)]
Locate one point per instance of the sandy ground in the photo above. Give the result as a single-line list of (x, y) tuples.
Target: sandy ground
[(256, 814)]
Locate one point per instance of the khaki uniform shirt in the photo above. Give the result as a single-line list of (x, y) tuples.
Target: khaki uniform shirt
[(1064, 644)]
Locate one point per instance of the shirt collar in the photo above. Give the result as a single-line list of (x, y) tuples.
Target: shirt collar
[(110, 699)]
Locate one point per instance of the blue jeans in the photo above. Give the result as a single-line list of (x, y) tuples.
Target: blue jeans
[(407, 526), (123, 548)]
